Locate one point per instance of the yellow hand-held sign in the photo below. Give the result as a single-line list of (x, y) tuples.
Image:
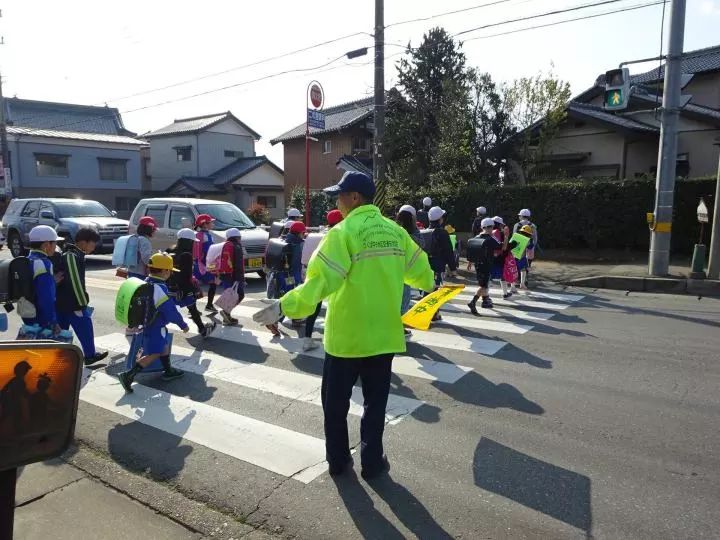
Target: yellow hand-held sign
[(420, 315)]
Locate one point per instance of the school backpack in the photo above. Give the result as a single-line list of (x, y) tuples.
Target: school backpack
[(276, 228), (213, 258), (427, 242), (277, 255), (16, 280), (134, 303), (312, 241), (479, 250), (125, 251)]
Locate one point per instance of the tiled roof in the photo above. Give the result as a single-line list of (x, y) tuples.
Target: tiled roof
[(198, 184), (95, 137), (218, 181), (197, 124), (239, 168), (336, 118), (690, 108), (598, 113), (352, 163), (698, 61), (64, 116)]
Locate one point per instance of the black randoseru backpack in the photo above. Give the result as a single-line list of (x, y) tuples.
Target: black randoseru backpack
[(16, 280)]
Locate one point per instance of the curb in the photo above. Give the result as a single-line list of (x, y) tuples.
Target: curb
[(704, 287)]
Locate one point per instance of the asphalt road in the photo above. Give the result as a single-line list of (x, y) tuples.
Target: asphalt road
[(597, 416)]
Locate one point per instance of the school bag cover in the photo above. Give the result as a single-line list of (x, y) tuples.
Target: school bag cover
[(213, 258), (479, 249), (16, 280), (125, 251), (427, 241), (312, 241), (134, 303)]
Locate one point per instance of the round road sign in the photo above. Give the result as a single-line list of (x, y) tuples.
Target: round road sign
[(316, 96)]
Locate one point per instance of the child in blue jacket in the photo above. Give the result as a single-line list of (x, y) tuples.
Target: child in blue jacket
[(155, 331), (43, 243)]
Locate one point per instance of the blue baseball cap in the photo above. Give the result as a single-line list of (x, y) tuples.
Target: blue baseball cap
[(353, 181)]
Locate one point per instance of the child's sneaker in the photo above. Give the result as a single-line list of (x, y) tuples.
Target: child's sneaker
[(208, 329), (507, 295), (172, 374), (309, 344), (487, 303)]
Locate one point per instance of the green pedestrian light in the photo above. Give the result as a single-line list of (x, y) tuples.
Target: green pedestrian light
[(617, 89)]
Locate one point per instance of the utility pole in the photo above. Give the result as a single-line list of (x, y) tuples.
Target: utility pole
[(378, 149), (667, 152), (713, 271)]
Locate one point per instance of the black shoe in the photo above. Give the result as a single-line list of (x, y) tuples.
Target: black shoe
[(88, 361), (208, 329), (211, 309), (337, 470), (172, 374), (487, 305), (473, 309), (126, 379), (369, 474)]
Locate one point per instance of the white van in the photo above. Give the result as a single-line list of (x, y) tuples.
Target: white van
[(173, 214)]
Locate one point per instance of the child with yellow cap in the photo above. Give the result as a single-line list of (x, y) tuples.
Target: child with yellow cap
[(155, 331)]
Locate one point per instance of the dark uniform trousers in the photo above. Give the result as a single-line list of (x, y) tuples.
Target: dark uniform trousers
[(339, 377)]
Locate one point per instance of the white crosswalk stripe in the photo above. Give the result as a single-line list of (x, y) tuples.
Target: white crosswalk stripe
[(271, 447), (284, 383), (516, 300)]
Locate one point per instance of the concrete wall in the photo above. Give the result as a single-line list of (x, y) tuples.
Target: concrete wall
[(212, 150), (323, 168), (164, 166), (705, 90)]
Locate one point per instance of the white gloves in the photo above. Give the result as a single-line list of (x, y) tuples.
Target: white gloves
[(269, 315)]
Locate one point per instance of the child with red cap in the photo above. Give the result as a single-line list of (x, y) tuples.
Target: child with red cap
[(204, 223)]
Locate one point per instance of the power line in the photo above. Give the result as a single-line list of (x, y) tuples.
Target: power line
[(555, 23), (435, 16), (237, 68), (537, 16)]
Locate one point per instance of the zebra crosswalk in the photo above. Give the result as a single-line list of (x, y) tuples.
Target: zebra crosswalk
[(454, 347)]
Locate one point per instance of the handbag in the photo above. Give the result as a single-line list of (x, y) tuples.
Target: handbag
[(229, 298)]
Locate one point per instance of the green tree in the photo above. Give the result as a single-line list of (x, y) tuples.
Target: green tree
[(430, 78), (320, 204), (537, 108)]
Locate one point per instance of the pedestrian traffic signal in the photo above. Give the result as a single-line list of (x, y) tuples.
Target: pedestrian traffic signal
[(617, 89)]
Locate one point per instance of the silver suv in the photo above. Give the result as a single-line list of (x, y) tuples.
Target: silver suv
[(173, 214), (67, 216)]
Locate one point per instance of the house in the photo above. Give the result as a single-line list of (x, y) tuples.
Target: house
[(346, 140), (69, 150), (592, 142), (213, 156)]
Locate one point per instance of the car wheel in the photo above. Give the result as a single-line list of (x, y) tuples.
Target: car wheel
[(15, 245)]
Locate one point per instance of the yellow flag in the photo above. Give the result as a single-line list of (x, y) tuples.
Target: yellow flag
[(422, 313)]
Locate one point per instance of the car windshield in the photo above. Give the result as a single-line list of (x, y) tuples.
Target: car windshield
[(82, 209), (226, 216)]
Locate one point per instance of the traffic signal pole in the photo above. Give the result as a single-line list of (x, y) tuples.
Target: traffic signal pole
[(667, 153), (379, 120)]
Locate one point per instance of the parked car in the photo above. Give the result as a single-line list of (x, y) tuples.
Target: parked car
[(67, 216), (173, 214)]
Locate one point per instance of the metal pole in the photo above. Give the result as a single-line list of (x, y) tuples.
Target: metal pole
[(307, 160), (3, 138), (667, 152), (713, 271), (378, 154), (7, 503)]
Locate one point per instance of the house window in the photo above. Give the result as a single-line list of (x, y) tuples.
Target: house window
[(682, 166), (360, 144), (235, 154), (327, 147), (114, 170), (184, 153), (268, 201), (52, 165)]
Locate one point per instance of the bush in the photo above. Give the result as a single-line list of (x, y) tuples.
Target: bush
[(320, 205), (259, 214), (574, 214)]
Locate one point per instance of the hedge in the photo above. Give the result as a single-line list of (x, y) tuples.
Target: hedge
[(576, 214)]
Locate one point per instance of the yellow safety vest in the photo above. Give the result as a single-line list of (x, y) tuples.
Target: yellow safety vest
[(360, 267)]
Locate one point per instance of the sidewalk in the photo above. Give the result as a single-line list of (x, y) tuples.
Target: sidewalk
[(58, 500)]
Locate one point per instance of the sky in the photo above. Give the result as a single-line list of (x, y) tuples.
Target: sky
[(100, 52)]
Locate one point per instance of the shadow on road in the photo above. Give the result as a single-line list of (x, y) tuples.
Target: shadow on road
[(552, 490), (407, 508), (474, 389)]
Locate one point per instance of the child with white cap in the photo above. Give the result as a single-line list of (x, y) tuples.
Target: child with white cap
[(476, 228), (43, 242), (441, 249), (481, 252), (422, 214)]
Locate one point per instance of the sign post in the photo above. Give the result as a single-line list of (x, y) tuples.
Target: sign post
[(698, 260), (314, 101)]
